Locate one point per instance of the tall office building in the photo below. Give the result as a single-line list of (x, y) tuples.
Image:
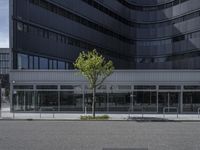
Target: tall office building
[(134, 34), (153, 34)]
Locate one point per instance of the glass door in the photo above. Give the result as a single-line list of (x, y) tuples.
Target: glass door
[(191, 102), (169, 101), (145, 101)]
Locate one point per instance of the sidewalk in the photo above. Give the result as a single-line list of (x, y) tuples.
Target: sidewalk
[(76, 116)]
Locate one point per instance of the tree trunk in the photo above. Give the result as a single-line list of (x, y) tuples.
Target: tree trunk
[(93, 101)]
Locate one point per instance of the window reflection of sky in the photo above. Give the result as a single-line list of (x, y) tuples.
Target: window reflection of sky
[(4, 23)]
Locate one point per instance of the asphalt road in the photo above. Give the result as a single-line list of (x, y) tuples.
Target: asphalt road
[(77, 135)]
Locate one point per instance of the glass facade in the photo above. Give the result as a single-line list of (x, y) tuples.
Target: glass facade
[(61, 65), (24, 101), (71, 101), (191, 101), (47, 100), (155, 34), (43, 63), (67, 40), (145, 101), (168, 100), (25, 61), (22, 62), (119, 101), (121, 98)]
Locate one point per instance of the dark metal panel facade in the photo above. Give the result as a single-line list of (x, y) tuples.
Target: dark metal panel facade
[(135, 37)]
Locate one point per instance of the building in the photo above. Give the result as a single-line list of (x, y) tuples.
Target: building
[(152, 91), (134, 34), (153, 35)]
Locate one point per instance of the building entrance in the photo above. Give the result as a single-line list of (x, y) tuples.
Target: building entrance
[(169, 101)]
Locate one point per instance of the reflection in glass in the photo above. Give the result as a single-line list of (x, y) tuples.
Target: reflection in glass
[(119, 102), (61, 65), (55, 66), (18, 101), (22, 61), (30, 62), (50, 64), (145, 101), (191, 101), (71, 101), (36, 64), (101, 101), (23, 101), (43, 63), (29, 101), (168, 99), (47, 100)]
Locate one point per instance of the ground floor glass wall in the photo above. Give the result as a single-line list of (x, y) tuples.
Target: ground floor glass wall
[(168, 101), (24, 101), (191, 101), (46, 100), (71, 101), (101, 101), (145, 101), (137, 101), (119, 101)]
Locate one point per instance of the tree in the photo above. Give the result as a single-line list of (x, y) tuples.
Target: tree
[(95, 69)]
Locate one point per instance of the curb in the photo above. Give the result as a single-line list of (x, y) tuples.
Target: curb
[(115, 120)]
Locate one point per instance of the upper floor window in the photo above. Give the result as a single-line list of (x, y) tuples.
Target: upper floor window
[(61, 65), (22, 61), (43, 63)]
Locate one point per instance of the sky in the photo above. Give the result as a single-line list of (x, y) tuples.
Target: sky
[(4, 23)]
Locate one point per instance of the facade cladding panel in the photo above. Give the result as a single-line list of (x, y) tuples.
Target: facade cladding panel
[(134, 34)]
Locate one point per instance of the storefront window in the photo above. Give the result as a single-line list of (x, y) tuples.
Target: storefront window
[(191, 102), (119, 101), (145, 101), (101, 101), (18, 101), (23, 101), (47, 101), (71, 101)]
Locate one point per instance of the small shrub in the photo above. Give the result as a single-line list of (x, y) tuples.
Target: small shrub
[(88, 117)]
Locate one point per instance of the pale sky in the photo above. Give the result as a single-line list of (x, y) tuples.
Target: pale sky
[(4, 23)]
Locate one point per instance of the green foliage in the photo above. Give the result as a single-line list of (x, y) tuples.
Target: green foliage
[(102, 117), (94, 67)]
